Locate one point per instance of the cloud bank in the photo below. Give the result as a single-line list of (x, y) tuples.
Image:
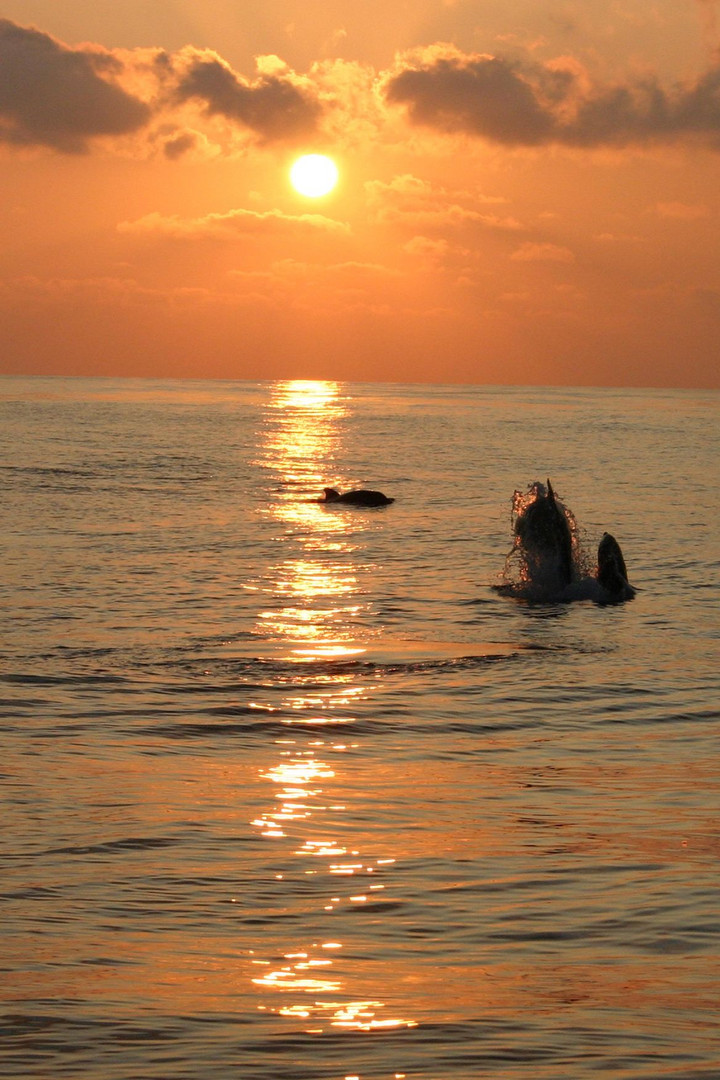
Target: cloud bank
[(63, 98), (537, 104), (230, 225), (60, 97)]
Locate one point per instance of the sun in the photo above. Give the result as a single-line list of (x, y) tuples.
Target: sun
[(314, 175)]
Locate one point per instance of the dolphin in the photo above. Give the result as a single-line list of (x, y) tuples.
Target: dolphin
[(543, 531), (611, 570), (360, 497), (551, 564)]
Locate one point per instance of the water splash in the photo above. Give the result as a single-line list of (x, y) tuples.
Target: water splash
[(548, 562)]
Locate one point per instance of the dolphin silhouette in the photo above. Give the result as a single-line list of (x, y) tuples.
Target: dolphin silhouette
[(544, 533), (611, 569), (360, 497)]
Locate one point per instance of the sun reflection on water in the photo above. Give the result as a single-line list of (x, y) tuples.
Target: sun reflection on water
[(300, 446), (311, 616), (314, 597), (305, 813), (308, 973), (295, 780)]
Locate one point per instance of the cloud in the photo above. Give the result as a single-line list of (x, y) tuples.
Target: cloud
[(295, 271), (63, 97), (116, 291), (275, 106), (483, 96), (427, 249), (54, 96), (531, 104), (230, 225), (680, 211), (408, 200), (178, 144), (533, 252)]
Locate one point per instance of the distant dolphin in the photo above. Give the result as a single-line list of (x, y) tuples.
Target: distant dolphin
[(611, 569), (544, 533), (360, 497)]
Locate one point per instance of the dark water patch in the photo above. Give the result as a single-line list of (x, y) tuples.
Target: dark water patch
[(202, 731), (479, 727), (654, 713), (72, 652), (27, 679), (226, 884), (17, 705), (111, 847), (236, 709), (31, 893), (152, 709), (700, 715), (264, 728), (49, 471), (107, 961)]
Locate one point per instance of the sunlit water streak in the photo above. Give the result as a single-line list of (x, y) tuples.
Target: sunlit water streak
[(290, 789)]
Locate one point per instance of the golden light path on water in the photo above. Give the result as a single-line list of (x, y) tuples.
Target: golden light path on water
[(309, 607)]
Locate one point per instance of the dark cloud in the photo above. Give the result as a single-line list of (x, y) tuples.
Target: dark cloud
[(621, 115), (483, 96), (699, 107), (51, 95), (531, 105), (178, 145), (62, 97), (274, 107)]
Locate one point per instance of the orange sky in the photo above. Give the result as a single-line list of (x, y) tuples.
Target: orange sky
[(529, 192)]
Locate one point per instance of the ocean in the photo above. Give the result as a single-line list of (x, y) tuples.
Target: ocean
[(293, 789)]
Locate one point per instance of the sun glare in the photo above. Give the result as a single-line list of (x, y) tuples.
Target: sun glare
[(314, 175)]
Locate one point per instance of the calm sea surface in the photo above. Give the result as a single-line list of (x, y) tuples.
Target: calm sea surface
[(290, 790)]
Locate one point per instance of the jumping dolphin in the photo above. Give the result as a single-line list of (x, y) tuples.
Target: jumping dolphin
[(361, 497), (551, 563), (544, 533)]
